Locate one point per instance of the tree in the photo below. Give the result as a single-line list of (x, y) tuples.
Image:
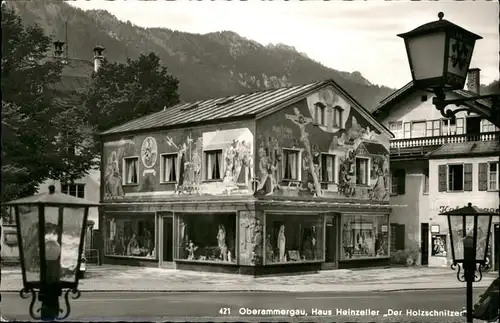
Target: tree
[(123, 92), (37, 130)]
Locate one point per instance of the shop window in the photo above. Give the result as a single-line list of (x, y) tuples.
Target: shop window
[(362, 169), (130, 235), (291, 164), (213, 165), (131, 170), (396, 128), (169, 168), (364, 236), (337, 116), (293, 238), (320, 113), (493, 176), (77, 190), (327, 168), (206, 237), (425, 188)]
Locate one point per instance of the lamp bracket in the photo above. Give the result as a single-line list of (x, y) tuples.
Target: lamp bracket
[(478, 273), (492, 114), (41, 296)]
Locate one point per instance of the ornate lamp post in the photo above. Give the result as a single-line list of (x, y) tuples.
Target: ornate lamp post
[(470, 229), (439, 54), (51, 231)]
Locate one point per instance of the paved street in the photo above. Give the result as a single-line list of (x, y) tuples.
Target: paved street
[(198, 306)]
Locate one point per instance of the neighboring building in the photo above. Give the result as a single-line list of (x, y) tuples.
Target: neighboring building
[(289, 179), (437, 165)]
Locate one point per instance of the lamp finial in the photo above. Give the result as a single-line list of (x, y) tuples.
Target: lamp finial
[(52, 189), (440, 15), (470, 204)]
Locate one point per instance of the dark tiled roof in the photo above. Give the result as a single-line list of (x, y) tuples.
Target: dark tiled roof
[(248, 104), (466, 149)]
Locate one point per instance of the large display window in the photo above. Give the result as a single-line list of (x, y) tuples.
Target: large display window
[(364, 236), (130, 235), (293, 238), (206, 237)]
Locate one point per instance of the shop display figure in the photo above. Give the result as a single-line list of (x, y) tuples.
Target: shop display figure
[(269, 248), (221, 240), (191, 249), (282, 243)]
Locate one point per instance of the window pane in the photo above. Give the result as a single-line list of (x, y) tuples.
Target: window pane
[(210, 238), (80, 190), (293, 238), (418, 129), (64, 189), (72, 189), (364, 236), (130, 235)]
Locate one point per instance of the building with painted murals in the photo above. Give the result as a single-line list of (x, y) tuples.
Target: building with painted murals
[(437, 165), (289, 179)]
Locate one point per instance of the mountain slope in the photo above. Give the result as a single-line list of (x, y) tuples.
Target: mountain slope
[(209, 65)]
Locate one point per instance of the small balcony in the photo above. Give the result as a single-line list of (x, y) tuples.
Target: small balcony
[(441, 140)]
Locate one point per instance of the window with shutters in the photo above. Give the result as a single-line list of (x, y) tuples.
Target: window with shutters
[(456, 178), (493, 176)]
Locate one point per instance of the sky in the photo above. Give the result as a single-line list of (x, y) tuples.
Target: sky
[(343, 35)]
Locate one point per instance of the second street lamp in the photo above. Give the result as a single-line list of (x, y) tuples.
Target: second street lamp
[(439, 54)]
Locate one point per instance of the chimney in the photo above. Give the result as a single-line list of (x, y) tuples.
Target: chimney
[(473, 80), (98, 58), (58, 50)]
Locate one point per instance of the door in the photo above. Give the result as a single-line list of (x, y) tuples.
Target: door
[(424, 243), (496, 246), (331, 244), (167, 243)]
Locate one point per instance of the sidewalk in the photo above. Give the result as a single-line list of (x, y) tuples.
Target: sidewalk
[(121, 278)]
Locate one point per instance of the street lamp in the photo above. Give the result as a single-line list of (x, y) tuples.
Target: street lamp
[(51, 231), (470, 229), (439, 54)]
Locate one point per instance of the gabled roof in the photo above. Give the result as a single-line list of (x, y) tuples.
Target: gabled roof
[(409, 88), (249, 105)]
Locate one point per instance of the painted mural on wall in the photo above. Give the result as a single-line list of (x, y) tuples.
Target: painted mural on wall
[(214, 162), (114, 151), (337, 152)]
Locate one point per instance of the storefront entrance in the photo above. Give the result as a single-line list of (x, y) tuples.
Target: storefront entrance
[(167, 242), (331, 242)]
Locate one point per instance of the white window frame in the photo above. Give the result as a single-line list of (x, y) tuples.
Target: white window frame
[(448, 177), (335, 172), (398, 132), (162, 167), (82, 185), (299, 164), (205, 166), (125, 168), (497, 177), (368, 170), (487, 126), (424, 122)]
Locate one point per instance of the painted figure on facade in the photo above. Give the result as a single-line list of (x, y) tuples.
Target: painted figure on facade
[(149, 152), (221, 240), (267, 170), (257, 243), (302, 122), (380, 173), (112, 178), (282, 243)]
